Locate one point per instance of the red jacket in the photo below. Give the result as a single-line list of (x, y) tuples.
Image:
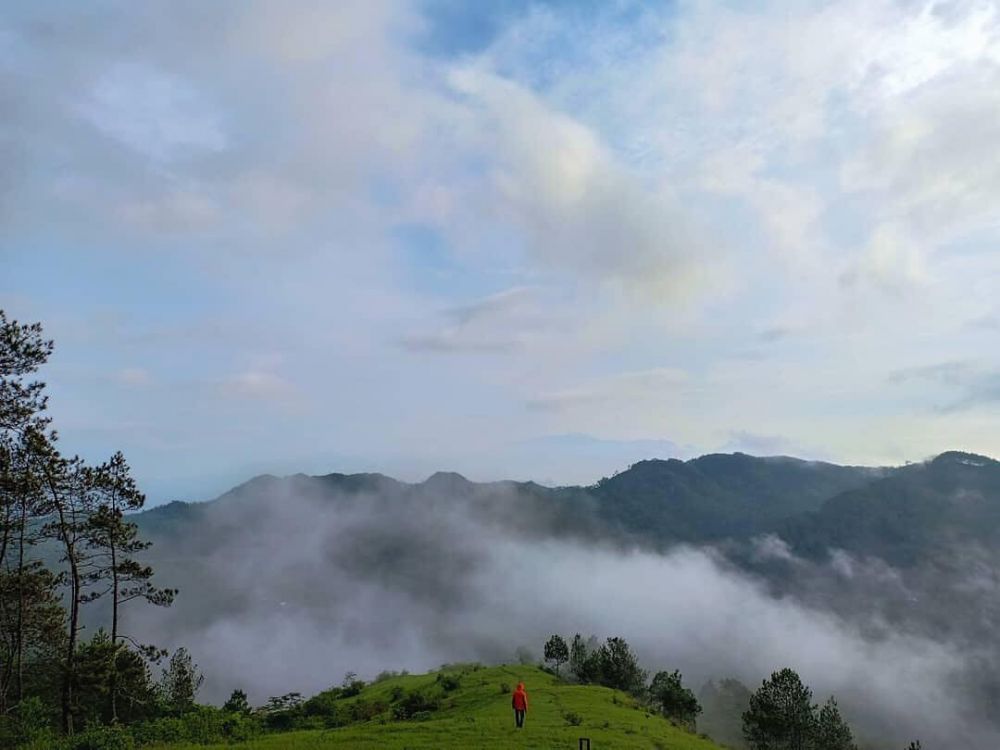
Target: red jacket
[(519, 700)]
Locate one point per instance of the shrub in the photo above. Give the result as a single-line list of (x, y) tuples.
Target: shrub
[(28, 723), (322, 706), (448, 682), (101, 738), (573, 719), (362, 710), (397, 693), (413, 704), (504, 688)]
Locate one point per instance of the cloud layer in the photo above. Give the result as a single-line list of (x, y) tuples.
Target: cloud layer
[(459, 231)]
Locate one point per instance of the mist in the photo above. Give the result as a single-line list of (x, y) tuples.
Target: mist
[(285, 588)]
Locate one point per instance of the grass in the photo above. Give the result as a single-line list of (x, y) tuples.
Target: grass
[(477, 714)]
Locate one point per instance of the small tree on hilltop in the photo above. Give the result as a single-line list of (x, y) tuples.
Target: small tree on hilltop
[(781, 715), (673, 699), (556, 651), (832, 732)]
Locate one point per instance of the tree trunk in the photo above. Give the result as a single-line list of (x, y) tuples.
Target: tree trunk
[(19, 635), (114, 630), (66, 694)]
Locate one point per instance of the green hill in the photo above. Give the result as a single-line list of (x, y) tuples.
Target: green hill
[(476, 713)]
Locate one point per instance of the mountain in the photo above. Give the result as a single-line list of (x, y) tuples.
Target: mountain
[(721, 496), (656, 502), (918, 513)]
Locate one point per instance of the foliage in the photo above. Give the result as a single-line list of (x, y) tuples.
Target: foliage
[(98, 737), (351, 685), (478, 716), (832, 732), (201, 725), (781, 714), (415, 702), (672, 699), (180, 683), (619, 668), (556, 651), (237, 703), (74, 513), (584, 661)]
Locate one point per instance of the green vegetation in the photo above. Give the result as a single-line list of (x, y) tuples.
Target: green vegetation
[(782, 716), (467, 706)]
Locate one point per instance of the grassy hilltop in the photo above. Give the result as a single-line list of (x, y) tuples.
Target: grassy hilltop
[(476, 714)]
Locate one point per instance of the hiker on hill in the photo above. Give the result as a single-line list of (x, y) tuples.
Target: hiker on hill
[(519, 702)]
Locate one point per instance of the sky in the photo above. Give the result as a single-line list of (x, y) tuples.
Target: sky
[(523, 240)]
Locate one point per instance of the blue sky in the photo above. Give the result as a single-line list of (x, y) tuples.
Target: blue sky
[(527, 239)]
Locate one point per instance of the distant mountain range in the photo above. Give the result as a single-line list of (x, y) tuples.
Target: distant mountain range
[(902, 514)]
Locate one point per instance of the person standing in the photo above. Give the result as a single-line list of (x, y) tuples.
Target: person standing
[(519, 702)]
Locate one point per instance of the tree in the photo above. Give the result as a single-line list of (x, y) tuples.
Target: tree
[(237, 703), (832, 732), (584, 659), (619, 668), (672, 699), (22, 421), (781, 715), (66, 503), (180, 683), (556, 651), (114, 543)]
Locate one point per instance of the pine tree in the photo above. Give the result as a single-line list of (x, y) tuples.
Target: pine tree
[(22, 423), (832, 732), (619, 668), (180, 683), (114, 542), (672, 699), (781, 714)]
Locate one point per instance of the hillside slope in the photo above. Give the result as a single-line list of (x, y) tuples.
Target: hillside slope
[(477, 714)]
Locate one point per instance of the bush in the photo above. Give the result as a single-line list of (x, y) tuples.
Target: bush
[(504, 688), (101, 738), (362, 710), (27, 724), (323, 705), (204, 725), (397, 693), (448, 682), (573, 719), (413, 704)]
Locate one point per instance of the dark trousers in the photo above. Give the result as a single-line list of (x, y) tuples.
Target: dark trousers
[(519, 718)]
